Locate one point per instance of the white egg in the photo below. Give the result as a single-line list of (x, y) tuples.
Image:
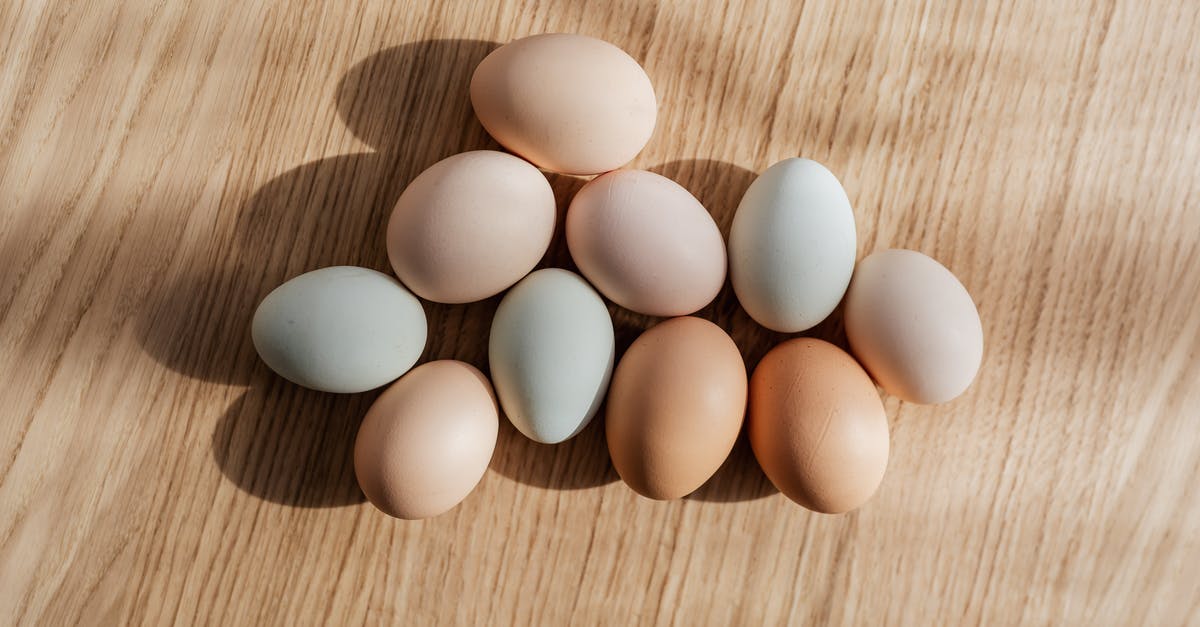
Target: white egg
[(551, 354), (792, 246), (340, 329)]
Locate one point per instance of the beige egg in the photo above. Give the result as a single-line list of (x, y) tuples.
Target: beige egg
[(568, 103), (427, 440), (913, 326), (470, 226), (817, 426), (646, 243), (675, 407)]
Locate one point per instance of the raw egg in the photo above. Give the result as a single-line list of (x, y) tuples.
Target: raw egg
[(914, 326), (817, 426), (646, 243), (568, 103), (470, 226), (427, 440), (675, 407)]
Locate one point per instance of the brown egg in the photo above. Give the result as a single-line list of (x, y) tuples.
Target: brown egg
[(427, 440), (817, 426), (675, 407)]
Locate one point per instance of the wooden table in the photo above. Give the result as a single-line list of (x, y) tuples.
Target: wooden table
[(163, 165)]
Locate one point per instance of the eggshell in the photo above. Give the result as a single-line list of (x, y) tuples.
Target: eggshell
[(792, 246), (340, 329), (914, 327), (817, 426), (568, 103), (646, 243), (470, 226), (675, 407), (551, 354), (427, 440)]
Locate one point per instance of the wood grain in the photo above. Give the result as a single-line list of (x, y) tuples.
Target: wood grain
[(165, 164)]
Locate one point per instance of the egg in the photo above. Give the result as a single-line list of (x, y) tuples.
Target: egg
[(427, 440), (792, 246), (914, 326), (470, 226), (340, 329), (817, 426), (551, 354), (646, 243), (675, 407), (568, 103)]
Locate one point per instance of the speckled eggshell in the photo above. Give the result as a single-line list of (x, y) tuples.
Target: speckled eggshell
[(470, 226), (675, 407), (646, 243), (340, 329), (817, 426), (913, 326), (792, 246), (427, 440), (568, 103), (551, 354)]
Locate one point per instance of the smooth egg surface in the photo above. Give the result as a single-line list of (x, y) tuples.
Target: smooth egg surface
[(675, 407), (568, 103), (551, 354), (913, 325), (792, 246), (646, 243), (817, 426), (470, 226), (340, 329), (427, 440)]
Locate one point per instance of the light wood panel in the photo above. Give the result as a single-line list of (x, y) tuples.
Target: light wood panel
[(165, 164)]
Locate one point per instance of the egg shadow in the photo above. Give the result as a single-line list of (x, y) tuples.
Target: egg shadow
[(289, 445)]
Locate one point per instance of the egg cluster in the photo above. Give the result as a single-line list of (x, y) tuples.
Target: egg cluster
[(476, 224)]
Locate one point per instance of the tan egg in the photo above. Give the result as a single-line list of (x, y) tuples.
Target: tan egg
[(646, 243), (568, 103), (427, 440), (914, 326), (675, 407), (817, 426), (470, 226)]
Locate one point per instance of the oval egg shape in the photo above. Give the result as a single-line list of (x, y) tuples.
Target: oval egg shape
[(675, 407), (792, 246), (470, 226), (427, 440), (817, 426), (646, 243), (551, 354), (568, 103), (913, 326), (340, 329)]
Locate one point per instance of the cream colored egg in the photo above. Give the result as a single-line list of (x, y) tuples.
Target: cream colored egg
[(568, 103), (470, 226)]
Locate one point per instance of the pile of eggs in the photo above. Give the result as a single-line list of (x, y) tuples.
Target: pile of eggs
[(476, 224)]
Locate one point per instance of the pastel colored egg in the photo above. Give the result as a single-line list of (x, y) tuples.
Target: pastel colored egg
[(646, 243), (568, 103), (551, 354), (340, 329), (913, 326), (470, 226), (427, 440), (792, 246)]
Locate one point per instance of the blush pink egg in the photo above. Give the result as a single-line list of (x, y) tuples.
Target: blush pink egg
[(646, 243)]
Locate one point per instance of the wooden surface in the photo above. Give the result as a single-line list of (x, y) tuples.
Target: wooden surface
[(163, 165)]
